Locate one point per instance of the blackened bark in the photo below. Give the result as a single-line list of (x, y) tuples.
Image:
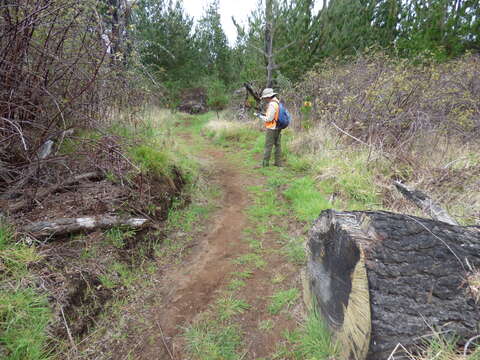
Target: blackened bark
[(417, 271)]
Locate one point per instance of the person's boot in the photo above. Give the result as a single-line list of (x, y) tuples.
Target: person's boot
[(262, 165)]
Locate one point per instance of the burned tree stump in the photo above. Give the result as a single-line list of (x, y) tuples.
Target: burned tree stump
[(380, 279)]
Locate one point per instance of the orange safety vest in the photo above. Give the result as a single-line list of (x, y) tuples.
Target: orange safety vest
[(273, 124)]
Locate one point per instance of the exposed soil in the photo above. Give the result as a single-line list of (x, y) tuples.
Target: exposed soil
[(189, 289)]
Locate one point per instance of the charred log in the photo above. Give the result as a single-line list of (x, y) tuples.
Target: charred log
[(424, 202), (380, 279)]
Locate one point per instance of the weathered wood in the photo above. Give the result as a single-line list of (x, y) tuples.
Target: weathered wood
[(380, 279), (252, 92), (14, 208), (424, 202), (65, 226)]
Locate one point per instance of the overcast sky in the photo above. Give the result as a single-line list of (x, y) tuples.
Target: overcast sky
[(228, 8)]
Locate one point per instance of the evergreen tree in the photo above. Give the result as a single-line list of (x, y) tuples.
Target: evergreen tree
[(167, 46), (212, 45)]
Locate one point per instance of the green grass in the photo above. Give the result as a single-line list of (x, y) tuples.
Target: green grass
[(117, 236), (119, 274), (210, 340), (15, 257), (245, 274), (24, 313), (253, 259), (228, 306), (186, 218), (446, 348), (150, 159), (228, 133), (306, 200), (294, 250), (24, 316), (235, 284), (266, 325), (311, 341), (282, 299)]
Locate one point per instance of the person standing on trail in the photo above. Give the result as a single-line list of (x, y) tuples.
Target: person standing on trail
[(273, 135)]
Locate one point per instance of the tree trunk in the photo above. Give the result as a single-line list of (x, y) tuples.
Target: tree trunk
[(380, 279), (72, 225), (269, 42)]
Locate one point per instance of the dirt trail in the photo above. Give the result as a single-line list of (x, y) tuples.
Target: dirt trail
[(189, 288)]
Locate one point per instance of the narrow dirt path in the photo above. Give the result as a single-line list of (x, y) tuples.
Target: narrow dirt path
[(190, 287), (237, 257)]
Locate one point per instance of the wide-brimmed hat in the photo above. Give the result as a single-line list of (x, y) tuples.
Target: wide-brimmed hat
[(268, 93)]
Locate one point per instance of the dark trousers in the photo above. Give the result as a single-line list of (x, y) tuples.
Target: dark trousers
[(273, 137)]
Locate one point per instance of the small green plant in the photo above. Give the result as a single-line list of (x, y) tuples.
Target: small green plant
[(245, 274), (314, 340), (311, 341), (295, 250), (266, 325), (307, 201), (229, 306), (149, 158), (24, 316), (117, 236), (235, 284), (210, 340), (120, 274), (445, 348), (251, 259), (15, 257), (281, 299)]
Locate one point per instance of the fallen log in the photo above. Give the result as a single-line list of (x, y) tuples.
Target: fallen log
[(14, 208), (380, 279), (65, 226), (424, 202)]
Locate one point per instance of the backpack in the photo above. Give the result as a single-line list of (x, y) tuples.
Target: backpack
[(284, 117)]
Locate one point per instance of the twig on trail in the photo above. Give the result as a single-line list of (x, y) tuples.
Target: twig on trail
[(164, 342), (72, 342), (467, 345), (246, 352), (391, 357)]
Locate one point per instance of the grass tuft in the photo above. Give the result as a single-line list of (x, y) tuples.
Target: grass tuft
[(229, 306), (209, 340), (312, 340), (282, 299), (24, 316), (307, 201)]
